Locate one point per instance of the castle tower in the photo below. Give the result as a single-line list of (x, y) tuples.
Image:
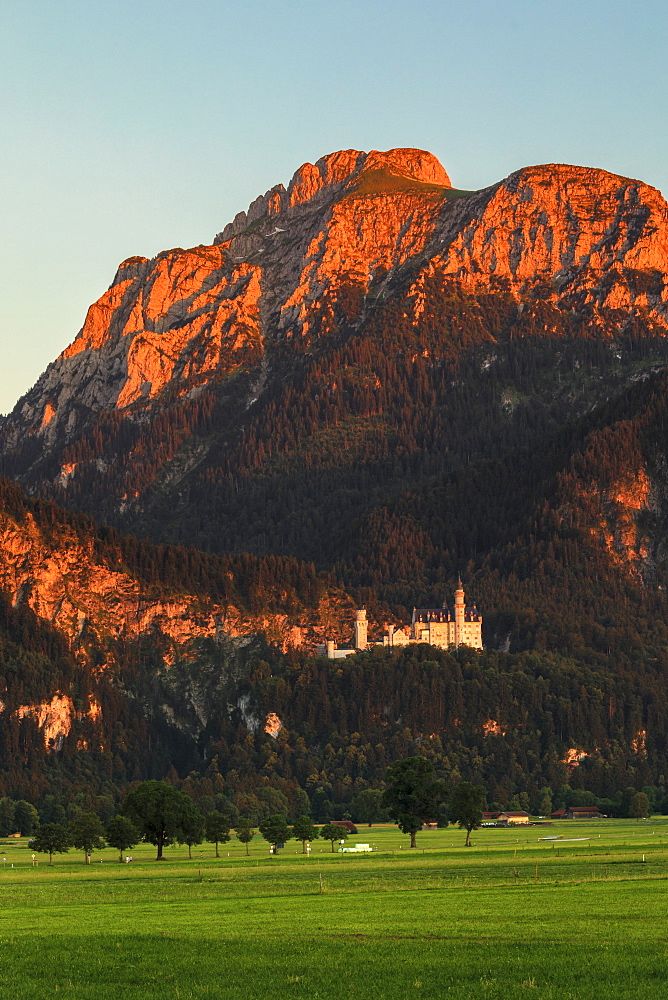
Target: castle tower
[(460, 607), (360, 629)]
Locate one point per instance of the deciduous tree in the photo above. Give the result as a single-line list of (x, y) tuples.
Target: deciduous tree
[(51, 838), (245, 833), (217, 829), (367, 806), (414, 795), (87, 833), (639, 808), (545, 804), (466, 804), (304, 830), (122, 834), (275, 830), (6, 817), (333, 832), (26, 817), (157, 810), (191, 828)]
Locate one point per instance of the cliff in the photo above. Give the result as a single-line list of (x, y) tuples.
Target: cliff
[(76, 582), (64, 581), (582, 238)]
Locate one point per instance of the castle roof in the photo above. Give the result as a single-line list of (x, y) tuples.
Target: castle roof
[(471, 614)]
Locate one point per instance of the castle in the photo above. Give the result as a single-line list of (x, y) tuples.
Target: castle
[(444, 627)]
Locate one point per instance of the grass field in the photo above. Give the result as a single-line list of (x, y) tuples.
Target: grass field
[(571, 920)]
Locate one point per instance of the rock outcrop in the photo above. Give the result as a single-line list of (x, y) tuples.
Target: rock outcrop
[(62, 580), (171, 322), (106, 614)]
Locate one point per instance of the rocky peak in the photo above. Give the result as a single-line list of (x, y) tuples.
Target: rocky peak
[(338, 169), (314, 184)]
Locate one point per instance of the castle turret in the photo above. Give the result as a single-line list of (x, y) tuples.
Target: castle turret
[(360, 629), (460, 608)]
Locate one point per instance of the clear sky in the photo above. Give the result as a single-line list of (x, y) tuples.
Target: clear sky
[(132, 127)]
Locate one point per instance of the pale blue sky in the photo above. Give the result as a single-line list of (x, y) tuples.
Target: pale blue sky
[(132, 127)]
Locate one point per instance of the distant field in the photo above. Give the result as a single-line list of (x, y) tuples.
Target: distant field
[(511, 915)]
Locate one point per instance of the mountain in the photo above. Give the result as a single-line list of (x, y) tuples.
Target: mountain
[(368, 383), (371, 371), (314, 321)]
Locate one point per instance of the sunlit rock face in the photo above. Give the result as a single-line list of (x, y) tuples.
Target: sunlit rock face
[(618, 522), (571, 230), (325, 179), (54, 717), (63, 583), (101, 609), (348, 230), (173, 321), (273, 725), (58, 575)]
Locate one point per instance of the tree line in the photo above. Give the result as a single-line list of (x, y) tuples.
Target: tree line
[(160, 814)]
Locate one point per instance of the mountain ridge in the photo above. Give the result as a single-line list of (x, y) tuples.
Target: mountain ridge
[(187, 318)]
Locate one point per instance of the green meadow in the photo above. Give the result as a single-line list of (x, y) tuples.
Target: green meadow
[(573, 919)]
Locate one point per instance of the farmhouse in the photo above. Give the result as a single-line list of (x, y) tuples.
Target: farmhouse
[(578, 812), (346, 823), (506, 818), (584, 812), (517, 818)]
